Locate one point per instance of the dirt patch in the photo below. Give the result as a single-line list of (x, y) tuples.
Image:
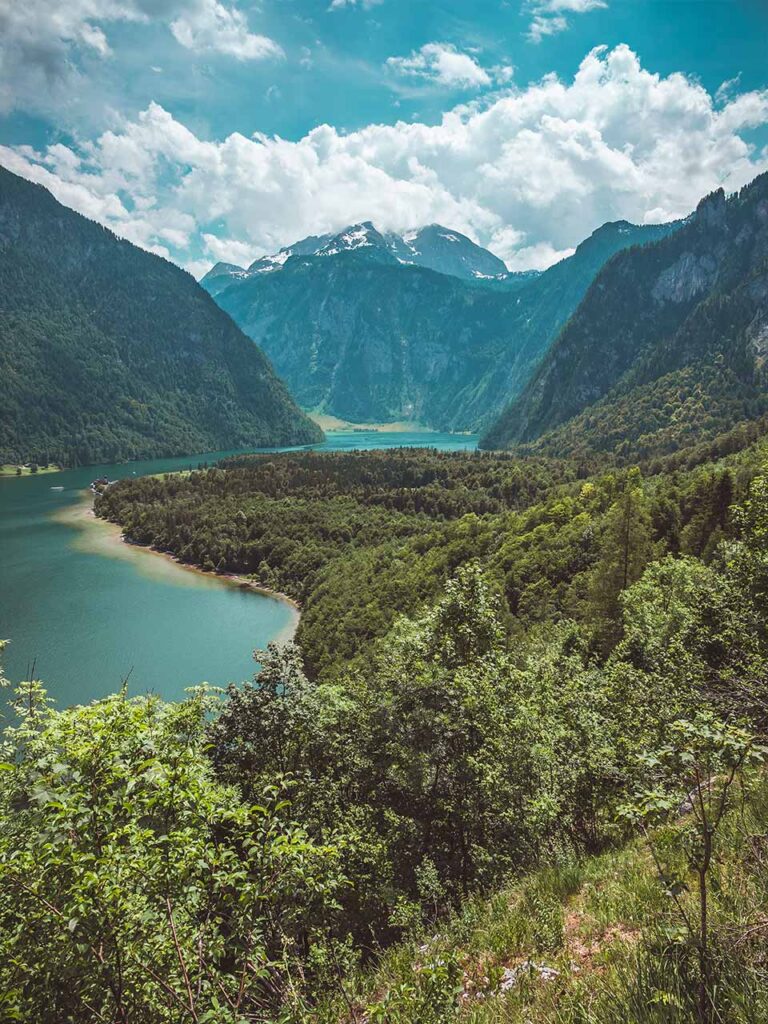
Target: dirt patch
[(584, 945)]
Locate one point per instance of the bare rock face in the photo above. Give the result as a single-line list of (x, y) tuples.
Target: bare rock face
[(712, 210), (757, 332), (689, 276)]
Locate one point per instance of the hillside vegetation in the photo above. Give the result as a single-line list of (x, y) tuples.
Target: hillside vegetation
[(360, 336), (514, 772), (359, 538), (109, 353), (596, 939), (667, 347)]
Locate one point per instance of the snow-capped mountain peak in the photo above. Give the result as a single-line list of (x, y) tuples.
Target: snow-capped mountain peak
[(448, 252), (434, 247), (356, 236)]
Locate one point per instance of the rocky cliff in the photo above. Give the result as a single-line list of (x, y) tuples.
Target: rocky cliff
[(667, 345)]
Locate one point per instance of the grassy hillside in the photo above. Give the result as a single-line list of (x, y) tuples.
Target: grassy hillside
[(597, 940)]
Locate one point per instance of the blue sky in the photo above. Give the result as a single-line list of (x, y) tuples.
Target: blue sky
[(206, 130)]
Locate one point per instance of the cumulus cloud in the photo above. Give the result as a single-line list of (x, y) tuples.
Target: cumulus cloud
[(43, 42), (230, 250), (444, 64), (210, 26), (41, 39), (530, 174), (535, 257), (550, 16)]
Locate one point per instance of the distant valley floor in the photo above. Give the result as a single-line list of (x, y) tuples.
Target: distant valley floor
[(329, 424)]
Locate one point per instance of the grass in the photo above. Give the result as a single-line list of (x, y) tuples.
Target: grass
[(9, 469), (608, 929), (177, 474)]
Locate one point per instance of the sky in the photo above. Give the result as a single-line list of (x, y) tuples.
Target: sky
[(208, 130)]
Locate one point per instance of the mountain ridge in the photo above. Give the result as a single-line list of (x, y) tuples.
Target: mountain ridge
[(433, 246), (687, 316), (151, 365), (358, 335)]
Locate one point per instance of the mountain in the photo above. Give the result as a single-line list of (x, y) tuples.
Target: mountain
[(667, 347), (110, 353), (221, 276), (447, 252), (435, 247), (359, 331)]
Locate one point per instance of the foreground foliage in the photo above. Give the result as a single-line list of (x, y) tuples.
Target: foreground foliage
[(135, 886), (507, 672), (589, 941)]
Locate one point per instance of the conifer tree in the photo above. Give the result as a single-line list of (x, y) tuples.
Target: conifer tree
[(626, 550)]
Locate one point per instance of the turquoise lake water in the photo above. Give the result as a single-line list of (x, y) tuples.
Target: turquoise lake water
[(87, 611)]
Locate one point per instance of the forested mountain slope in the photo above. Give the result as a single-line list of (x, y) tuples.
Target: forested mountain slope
[(110, 353), (667, 347), (358, 334)]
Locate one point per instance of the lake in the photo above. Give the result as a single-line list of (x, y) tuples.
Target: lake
[(85, 611)]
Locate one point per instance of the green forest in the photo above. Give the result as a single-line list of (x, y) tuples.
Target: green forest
[(664, 349), (109, 353), (511, 770)]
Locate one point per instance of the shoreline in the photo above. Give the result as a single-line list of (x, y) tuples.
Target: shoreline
[(113, 543), (8, 470)]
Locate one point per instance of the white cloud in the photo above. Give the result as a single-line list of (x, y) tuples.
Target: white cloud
[(338, 5), (569, 6), (531, 173), (550, 16), (43, 42), (542, 26), (509, 244), (444, 64), (210, 26), (727, 88), (229, 250), (535, 257), (40, 40)]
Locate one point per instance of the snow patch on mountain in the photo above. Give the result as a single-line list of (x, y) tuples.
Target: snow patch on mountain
[(433, 247)]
